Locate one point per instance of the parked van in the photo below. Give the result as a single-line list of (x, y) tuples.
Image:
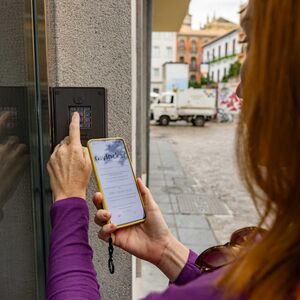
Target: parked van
[(192, 105)]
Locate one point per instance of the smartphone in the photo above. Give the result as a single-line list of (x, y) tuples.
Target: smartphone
[(116, 181)]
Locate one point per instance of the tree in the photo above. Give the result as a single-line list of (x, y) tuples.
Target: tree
[(234, 70), (194, 84)]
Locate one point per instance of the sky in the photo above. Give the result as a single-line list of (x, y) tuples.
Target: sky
[(200, 9)]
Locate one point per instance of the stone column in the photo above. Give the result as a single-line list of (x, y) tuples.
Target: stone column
[(89, 44)]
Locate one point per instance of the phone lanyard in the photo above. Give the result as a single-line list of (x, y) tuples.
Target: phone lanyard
[(111, 265)]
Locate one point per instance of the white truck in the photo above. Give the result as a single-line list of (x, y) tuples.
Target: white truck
[(192, 105), (175, 76)]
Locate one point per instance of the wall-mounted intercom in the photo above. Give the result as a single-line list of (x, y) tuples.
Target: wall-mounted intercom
[(91, 105)]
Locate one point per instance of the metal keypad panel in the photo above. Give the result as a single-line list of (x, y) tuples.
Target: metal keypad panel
[(91, 105), (85, 113)]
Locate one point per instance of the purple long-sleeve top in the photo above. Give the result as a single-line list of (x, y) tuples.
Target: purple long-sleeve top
[(71, 272)]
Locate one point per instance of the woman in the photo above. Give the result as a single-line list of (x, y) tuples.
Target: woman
[(268, 143)]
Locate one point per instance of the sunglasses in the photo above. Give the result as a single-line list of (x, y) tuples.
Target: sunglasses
[(219, 256)]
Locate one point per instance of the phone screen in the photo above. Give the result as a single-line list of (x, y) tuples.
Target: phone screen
[(118, 184)]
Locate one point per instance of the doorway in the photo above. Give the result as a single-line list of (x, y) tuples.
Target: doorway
[(24, 147)]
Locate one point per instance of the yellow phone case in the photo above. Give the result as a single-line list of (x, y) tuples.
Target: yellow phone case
[(99, 183)]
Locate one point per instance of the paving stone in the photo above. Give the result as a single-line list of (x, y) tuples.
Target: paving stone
[(172, 190), (196, 236), (170, 220), (152, 279), (173, 199), (166, 208), (185, 184), (191, 221), (175, 207), (161, 198), (156, 183), (174, 232)]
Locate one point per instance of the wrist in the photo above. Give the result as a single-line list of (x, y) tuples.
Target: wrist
[(63, 196), (173, 259)]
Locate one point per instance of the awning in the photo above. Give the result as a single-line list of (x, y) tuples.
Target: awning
[(168, 15)]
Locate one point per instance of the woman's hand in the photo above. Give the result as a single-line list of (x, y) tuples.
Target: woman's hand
[(69, 166), (151, 240)]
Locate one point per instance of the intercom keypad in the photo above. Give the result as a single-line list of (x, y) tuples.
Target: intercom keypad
[(85, 113)]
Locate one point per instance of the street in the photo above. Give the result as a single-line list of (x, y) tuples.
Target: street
[(194, 179)]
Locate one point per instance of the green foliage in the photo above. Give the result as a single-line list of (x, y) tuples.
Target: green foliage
[(221, 58), (204, 82), (194, 84), (234, 71)]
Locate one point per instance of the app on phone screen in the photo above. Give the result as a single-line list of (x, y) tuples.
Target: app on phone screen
[(117, 181)]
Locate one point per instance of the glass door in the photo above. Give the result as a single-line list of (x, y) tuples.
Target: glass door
[(24, 142)]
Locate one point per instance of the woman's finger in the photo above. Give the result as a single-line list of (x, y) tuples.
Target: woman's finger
[(146, 194), (97, 200), (67, 140), (143, 189), (102, 217), (56, 149), (106, 231), (74, 130)]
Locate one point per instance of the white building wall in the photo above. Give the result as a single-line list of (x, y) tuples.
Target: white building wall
[(218, 58), (163, 50)]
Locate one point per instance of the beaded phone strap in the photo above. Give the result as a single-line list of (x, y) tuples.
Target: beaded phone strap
[(111, 265)]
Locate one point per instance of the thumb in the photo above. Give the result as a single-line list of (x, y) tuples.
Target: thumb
[(146, 195)]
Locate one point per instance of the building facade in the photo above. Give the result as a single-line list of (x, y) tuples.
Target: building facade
[(163, 51), (190, 42), (220, 53)]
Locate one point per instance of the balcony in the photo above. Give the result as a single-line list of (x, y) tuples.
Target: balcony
[(194, 68)]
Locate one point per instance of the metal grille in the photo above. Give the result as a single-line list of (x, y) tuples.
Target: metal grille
[(194, 204)]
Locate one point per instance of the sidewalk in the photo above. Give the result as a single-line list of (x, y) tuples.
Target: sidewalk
[(183, 209)]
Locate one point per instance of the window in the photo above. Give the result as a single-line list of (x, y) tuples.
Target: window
[(156, 72), (226, 49), (194, 47), (181, 59), (212, 76), (218, 78), (213, 54), (156, 52), (181, 45), (156, 90), (167, 99), (225, 73), (219, 51), (193, 78), (233, 46), (208, 56), (193, 63), (169, 53), (168, 36)]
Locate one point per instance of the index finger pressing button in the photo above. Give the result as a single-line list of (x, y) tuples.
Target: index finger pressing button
[(74, 129)]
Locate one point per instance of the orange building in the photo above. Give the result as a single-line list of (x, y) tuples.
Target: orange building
[(190, 42)]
